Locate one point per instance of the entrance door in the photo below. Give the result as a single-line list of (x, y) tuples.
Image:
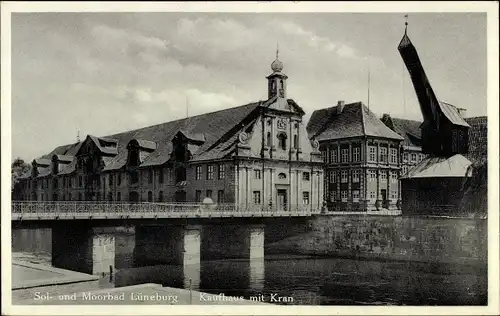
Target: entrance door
[(180, 196), (282, 200), (383, 193), (133, 197)]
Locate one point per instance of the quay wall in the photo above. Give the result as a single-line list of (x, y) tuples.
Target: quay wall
[(399, 238)]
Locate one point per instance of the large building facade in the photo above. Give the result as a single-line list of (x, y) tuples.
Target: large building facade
[(362, 158), (255, 155)]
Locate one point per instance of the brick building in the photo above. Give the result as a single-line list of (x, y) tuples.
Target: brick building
[(254, 154), (361, 156)]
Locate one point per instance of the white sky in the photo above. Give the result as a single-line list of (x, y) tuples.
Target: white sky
[(103, 73)]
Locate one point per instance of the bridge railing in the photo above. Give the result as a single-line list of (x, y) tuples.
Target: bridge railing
[(150, 209)]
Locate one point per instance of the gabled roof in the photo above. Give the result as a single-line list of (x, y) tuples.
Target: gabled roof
[(354, 121), (451, 112)]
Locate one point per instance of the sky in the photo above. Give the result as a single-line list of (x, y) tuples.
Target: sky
[(104, 73)]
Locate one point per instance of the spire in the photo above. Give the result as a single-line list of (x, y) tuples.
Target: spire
[(406, 23), (277, 49), (78, 137)]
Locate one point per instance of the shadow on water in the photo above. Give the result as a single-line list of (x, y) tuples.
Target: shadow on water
[(307, 281)]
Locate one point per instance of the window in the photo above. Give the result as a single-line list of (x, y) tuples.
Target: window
[(372, 195), (394, 195), (355, 176), (80, 196), (295, 141), (119, 180), (355, 195), (394, 177), (256, 197), (98, 196), (209, 194), (160, 196), (383, 154), (305, 176), (220, 196), (110, 196), (332, 176), (332, 196), (198, 172), (160, 176), (305, 198), (64, 182), (333, 155), (405, 169), (118, 196), (413, 157), (373, 175), (323, 156), (345, 155), (210, 172), (344, 196), (80, 180), (197, 196), (383, 176), (343, 176), (133, 176), (282, 140), (373, 154), (110, 179), (256, 174), (394, 155), (221, 171), (405, 157), (69, 196), (281, 176), (268, 139), (355, 154), (150, 196), (150, 176)]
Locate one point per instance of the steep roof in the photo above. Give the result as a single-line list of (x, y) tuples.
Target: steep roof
[(354, 121), (209, 127)]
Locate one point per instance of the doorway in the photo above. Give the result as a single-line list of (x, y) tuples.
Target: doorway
[(133, 197), (282, 200), (383, 194)]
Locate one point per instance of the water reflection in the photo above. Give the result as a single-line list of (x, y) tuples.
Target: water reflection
[(307, 281)]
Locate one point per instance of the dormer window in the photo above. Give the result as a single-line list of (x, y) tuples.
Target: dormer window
[(282, 140)]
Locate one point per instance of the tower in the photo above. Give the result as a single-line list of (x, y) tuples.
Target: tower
[(277, 80)]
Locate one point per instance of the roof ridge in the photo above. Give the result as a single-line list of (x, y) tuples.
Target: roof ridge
[(363, 122)]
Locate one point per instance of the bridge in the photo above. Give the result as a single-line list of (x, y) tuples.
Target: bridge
[(84, 233), (79, 210)]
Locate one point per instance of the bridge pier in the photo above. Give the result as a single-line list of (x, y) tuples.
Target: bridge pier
[(170, 244), (82, 248)]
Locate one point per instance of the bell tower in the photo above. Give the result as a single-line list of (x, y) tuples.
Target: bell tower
[(277, 80)]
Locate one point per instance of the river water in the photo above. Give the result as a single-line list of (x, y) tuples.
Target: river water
[(294, 280)]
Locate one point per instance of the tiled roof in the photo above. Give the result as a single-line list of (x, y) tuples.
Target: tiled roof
[(354, 121), (478, 139), (408, 129), (211, 128)]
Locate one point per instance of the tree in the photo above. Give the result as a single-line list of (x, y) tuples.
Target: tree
[(18, 168)]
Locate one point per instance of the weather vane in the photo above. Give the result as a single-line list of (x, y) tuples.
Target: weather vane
[(406, 22)]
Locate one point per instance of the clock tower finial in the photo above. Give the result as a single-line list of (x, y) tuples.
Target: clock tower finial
[(277, 80)]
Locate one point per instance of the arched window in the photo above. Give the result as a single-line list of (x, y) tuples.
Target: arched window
[(150, 196), (268, 139), (282, 140)]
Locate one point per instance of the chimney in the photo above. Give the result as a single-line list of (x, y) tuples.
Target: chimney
[(340, 106)]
